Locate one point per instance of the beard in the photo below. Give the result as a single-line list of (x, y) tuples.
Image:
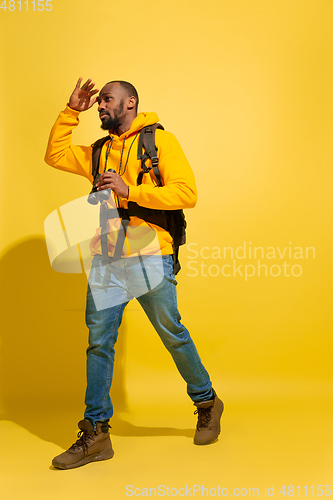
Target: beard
[(110, 122)]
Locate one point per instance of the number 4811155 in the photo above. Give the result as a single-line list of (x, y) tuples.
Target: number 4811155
[(25, 5)]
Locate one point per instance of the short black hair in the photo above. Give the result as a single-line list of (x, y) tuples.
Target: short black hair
[(130, 90)]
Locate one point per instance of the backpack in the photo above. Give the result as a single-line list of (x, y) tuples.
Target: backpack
[(172, 221)]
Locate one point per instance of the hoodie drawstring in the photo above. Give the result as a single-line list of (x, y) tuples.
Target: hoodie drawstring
[(121, 157)]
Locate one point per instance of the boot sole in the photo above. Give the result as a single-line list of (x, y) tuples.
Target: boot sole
[(104, 455), (215, 438)]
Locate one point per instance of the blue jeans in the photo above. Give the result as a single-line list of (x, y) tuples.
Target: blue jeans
[(110, 288)]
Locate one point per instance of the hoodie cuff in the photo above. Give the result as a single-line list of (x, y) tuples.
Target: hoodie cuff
[(134, 193), (71, 112)]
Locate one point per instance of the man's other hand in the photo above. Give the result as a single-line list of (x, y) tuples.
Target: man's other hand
[(82, 97), (110, 180)]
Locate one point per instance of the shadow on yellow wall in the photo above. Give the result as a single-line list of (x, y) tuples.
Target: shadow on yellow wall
[(43, 343)]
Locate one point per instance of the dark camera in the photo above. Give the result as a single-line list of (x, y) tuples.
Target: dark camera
[(96, 196)]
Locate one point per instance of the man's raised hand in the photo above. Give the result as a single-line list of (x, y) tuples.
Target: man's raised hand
[(82, 97)]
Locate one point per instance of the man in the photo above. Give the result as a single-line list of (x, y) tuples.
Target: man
[(113, 283)]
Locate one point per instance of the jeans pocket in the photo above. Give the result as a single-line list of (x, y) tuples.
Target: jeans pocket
[(168, 268)]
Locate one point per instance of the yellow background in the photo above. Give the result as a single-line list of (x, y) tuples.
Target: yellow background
[(246, 87)]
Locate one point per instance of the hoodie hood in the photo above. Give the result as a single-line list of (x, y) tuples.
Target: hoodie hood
[(140, 121)]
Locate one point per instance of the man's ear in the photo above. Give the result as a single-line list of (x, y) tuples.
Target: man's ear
[(131, 102)]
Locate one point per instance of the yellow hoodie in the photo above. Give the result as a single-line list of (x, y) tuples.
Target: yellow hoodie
[(178, 190)]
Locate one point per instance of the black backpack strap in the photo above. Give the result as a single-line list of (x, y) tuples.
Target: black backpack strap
[(103, 220), (113, 213), (96, 154), (121, 237), (147, 141)]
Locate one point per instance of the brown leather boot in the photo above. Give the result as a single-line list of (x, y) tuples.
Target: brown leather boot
[(209, 416), (90, 447)]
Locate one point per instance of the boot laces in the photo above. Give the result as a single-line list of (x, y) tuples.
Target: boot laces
[(204, 416), (84, 439)]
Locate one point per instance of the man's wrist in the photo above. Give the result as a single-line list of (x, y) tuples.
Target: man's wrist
[(73, 109)]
